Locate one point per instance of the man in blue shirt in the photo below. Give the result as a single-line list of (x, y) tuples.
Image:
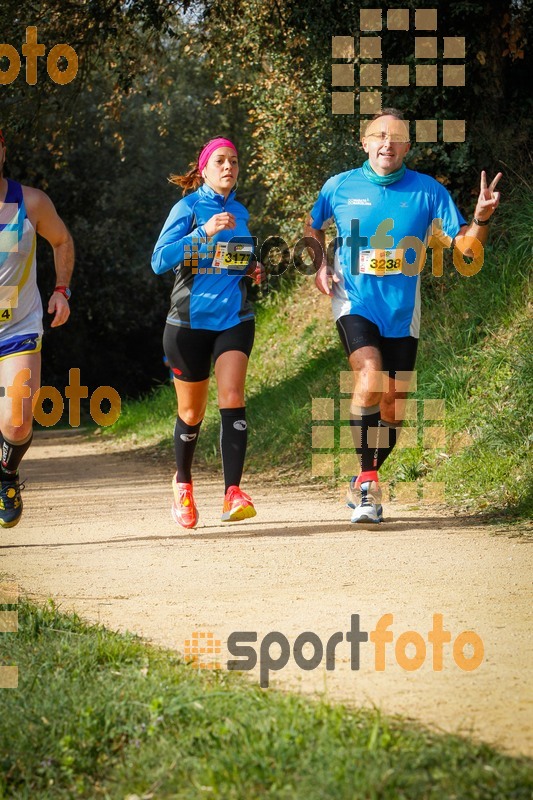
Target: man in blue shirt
[(385, 215)]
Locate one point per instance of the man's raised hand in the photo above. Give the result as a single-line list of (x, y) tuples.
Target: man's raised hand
[(488, 199)]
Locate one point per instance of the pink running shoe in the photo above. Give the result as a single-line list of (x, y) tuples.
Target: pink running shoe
[(237, 505), (184, 510)]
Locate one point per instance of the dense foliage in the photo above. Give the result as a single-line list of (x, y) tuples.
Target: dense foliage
[(157, 78)]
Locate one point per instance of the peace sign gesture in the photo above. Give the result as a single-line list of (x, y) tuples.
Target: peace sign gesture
[(488, 199)]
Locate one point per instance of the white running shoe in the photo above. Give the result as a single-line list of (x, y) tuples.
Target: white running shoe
[(369, 508), (353, 495)]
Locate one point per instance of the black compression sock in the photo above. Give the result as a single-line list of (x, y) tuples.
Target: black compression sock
[(388, 436), (233, 440), (364, 423), (12, 454), (185, 438)]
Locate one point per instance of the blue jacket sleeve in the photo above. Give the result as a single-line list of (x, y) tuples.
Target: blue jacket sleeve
[(177, 232)]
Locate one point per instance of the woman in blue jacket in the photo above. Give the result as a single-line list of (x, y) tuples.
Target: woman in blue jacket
[(206, 241)]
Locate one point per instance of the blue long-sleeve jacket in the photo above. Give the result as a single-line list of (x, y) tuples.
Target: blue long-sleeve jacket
[(202, 297)]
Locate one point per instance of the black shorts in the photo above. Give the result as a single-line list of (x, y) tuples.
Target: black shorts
[(398, 354), (190, 350)]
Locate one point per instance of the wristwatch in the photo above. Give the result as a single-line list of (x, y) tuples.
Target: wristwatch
[(64, 290)]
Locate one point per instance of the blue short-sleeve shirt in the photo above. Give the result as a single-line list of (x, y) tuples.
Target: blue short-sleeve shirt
[(412, 204)]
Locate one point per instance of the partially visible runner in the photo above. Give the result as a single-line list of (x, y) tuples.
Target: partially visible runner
[(375, 289), (210, 319), (23, 213)]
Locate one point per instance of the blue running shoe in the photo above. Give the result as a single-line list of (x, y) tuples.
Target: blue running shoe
[(10, 501)]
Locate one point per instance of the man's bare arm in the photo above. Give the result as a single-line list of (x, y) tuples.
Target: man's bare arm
[(323, 276), (313, 233), (48, 224)]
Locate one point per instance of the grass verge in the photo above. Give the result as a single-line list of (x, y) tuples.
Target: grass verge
[(99, 714)]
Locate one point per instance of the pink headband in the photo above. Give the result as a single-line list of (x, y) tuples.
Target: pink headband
[(210, 148)]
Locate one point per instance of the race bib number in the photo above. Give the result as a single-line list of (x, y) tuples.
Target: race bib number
[(380, 262), (8, 301), (233, 255)]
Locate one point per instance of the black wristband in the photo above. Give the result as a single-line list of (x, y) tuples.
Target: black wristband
[(481, 222)]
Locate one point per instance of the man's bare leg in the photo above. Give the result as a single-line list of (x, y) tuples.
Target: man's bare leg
[(20, 378)]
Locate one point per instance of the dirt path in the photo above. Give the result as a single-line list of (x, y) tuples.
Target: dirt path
[(97, 536)]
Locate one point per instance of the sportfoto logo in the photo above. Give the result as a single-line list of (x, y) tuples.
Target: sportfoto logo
[(32, 50), (374, 73), (9, 622), (410, 649), (332, 441), (19, 391), (307, 255)]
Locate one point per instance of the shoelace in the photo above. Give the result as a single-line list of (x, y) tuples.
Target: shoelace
[(18, 487), (364, 498), (14, 484), (238, 493), (186, 494)]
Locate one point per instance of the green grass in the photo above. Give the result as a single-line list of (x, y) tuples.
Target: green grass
[(475, 353), (102, 715)]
